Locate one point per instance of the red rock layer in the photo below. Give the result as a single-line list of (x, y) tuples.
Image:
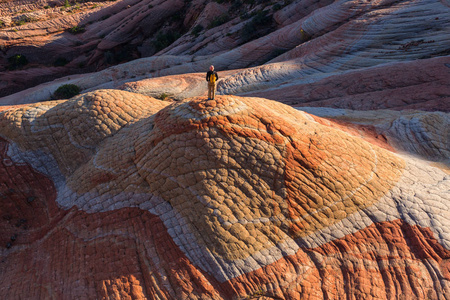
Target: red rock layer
[(367, 132), (420, 84), (50, 253), (387, 260), (27, 207)]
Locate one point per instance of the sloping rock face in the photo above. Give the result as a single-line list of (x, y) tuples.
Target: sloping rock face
[(425, 134), (420, 85), (274, 48), (117, 195)]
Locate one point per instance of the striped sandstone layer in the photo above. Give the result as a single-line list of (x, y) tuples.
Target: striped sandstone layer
[(311, 53), (117, 195)]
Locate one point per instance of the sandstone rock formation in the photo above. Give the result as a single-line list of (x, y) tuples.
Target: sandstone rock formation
[(113, 194), (290, 47), (420, 85)]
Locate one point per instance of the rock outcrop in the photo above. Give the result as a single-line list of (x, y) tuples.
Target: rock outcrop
[(117, 195), (419, 85), (287, 48)]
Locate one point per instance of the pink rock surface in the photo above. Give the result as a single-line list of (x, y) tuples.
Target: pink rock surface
[(423, 85), (321, 41), (113, 194)]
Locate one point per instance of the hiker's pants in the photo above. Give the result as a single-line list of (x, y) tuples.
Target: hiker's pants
[(211, 90)]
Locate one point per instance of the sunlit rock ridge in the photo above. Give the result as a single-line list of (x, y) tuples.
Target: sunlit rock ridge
[(320, 171), (113, 194), (348, 50)]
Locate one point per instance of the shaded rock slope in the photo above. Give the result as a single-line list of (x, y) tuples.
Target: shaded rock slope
[(114, 194), (350, 50)]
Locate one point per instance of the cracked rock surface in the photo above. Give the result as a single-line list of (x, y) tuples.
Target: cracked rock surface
[(116, 195)]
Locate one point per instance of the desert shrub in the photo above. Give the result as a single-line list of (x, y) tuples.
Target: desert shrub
[(251, 29), (60, 61), (2, 24), (277, 7), (165, 39), (21, 20), (244, 15), (17, 61), (196, 30), (163, 96), (66, 91), (66, 3), (125, 53), (235, 6), (46, 7), (219, 21), (261, 18), (305, 36), (108, 57), (120, 54), (275, 53), (76, 29), (176, 17)]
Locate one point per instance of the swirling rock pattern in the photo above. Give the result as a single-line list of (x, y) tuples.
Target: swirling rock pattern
[(420, 133), (307, 42), (117, 195)]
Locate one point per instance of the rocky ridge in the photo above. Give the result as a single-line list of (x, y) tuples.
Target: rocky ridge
[(229, 198), (298, 44), (115, 194)]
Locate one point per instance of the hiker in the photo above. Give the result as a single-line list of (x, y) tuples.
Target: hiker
[(211, 77)]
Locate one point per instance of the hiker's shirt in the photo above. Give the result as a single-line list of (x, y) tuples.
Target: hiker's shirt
[(212, 77)]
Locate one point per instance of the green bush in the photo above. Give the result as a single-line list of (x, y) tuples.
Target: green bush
[(261, 18), (60, 61), (17, 61), (235, 6), (165, 39), (277, 6), (66, 4), (2, 24), (76, 29), (22, 20), (252, 30), (219, 21), (66, 91), (275, 53), (305, 36), (163, 96), (196, 30)]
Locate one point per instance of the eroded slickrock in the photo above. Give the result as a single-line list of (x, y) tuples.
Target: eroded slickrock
[(287, 47), (117, 195), (426, 134)]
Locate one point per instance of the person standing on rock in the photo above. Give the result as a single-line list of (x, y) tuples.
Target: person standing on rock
[(211, 77)]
